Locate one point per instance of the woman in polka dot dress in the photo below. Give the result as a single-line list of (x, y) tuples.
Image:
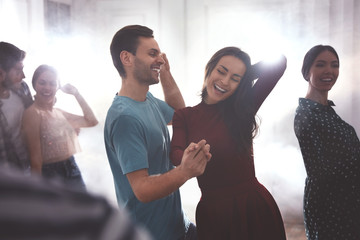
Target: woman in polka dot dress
[(331, 153)]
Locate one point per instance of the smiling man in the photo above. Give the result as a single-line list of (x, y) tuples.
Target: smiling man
[(137, 139), (14, 98)]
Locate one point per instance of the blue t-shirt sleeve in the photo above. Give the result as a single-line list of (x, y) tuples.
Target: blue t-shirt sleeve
[(129, 145), (165, 109)]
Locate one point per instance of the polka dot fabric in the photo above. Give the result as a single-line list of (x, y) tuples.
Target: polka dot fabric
[(331, 153)]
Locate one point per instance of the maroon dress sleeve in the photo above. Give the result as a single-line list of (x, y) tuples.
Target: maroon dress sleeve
[(268, 75), (179, 139)]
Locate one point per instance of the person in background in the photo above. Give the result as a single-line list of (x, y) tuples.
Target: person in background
[(50, 132), (137, 140), (15, 97), (233, 204), (331, 151)]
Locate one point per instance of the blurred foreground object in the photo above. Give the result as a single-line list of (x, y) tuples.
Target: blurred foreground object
[(31, 208)]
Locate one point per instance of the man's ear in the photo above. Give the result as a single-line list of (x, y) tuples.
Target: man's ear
[(126, 58)]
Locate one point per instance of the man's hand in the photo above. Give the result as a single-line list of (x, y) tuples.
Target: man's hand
[(148, 188), (166, 66), (165, 74), (171, 91), (195, 158)]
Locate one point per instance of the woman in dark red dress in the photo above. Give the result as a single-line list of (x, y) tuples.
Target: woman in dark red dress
[(233, 205)]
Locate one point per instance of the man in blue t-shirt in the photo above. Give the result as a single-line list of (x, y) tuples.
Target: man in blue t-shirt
[(137, 140)]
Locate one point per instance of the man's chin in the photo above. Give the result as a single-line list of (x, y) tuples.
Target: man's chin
[(8, 84), (154, 81), (16, 85)]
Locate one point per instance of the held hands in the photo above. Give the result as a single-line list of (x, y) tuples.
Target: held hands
[(195, 158), (69, 89)]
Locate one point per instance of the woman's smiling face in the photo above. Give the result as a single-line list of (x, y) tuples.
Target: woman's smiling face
[(224, 79), (46, 86), (324, 72)]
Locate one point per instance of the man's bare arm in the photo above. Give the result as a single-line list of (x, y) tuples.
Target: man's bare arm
[(172, 92), (148, 188)]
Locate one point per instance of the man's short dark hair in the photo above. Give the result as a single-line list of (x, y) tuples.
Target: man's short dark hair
[(10, 55), (127, 39)]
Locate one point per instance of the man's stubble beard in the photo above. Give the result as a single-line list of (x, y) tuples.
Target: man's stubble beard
[(143, 73)]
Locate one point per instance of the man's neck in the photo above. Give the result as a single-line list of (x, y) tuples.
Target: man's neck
[(4, 93), (132, 89)]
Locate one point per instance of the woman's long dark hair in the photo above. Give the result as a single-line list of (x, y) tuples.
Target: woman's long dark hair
[(238, 109)]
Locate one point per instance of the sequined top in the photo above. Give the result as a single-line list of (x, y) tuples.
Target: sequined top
[(58, 138), (331, 151)]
